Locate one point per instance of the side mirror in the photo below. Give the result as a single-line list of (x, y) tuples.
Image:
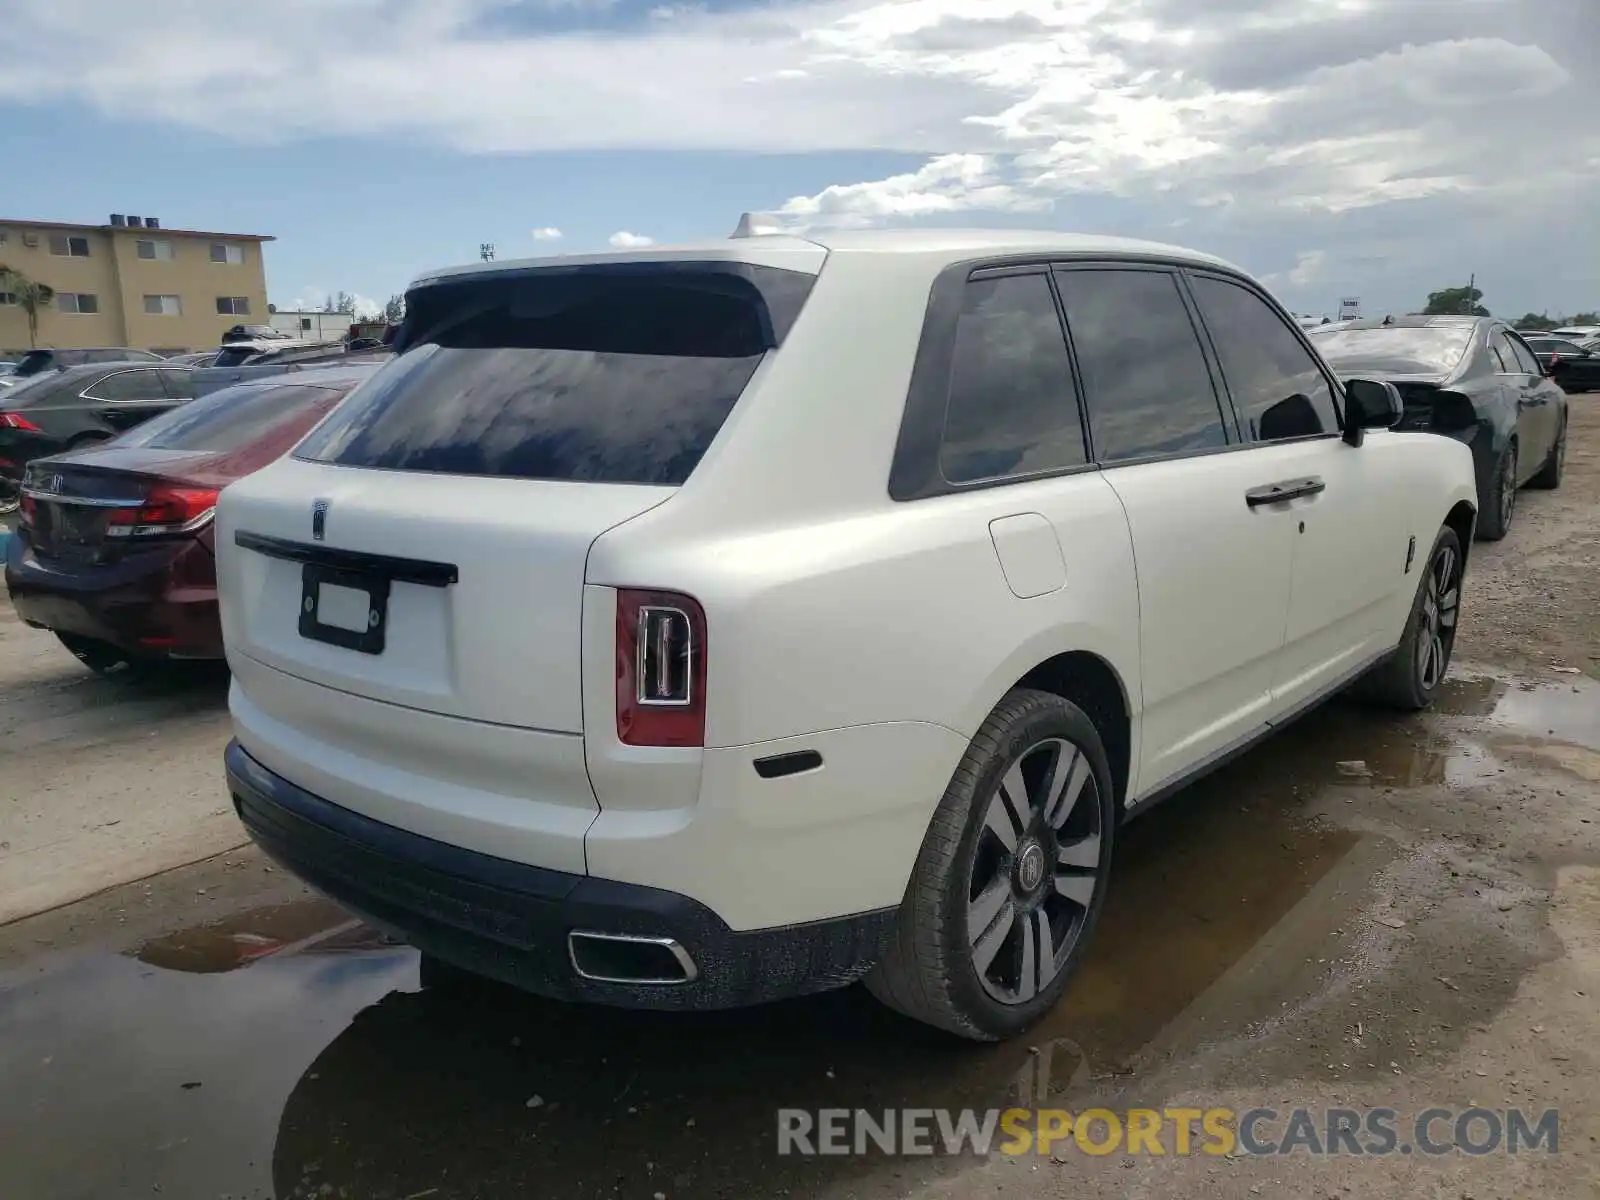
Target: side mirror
[(1370, 404)]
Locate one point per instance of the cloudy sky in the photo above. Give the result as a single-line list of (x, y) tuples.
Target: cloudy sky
[(1377, 148)]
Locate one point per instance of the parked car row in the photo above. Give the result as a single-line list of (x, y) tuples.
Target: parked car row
[(113, 551)]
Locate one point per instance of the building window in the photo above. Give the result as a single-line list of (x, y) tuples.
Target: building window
[(82, 303), (154, 251), (226, 252), (233, 306), (305, 324), (8, 299), (63, 246), (163, 306)]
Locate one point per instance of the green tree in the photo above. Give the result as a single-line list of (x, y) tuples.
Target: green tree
[(395, 311), (344, 302), (1456, 300), (1583, 318), (31, 297), (1534, 322)]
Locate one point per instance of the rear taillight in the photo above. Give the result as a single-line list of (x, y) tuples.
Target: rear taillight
[(25, 515), (661, 669), (165, 510), (13, 420)]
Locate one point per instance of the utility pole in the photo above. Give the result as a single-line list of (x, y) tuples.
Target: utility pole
[(486, 251), (1468, 303)]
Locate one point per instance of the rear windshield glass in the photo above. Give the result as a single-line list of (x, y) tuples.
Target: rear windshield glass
[(231, 418), (1402, 350), (233, 356), (596, 376), (35, 361)]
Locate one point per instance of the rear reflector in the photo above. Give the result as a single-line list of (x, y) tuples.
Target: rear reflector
[(13, 420), (661, 669)]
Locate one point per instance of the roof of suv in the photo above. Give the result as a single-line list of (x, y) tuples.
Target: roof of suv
[(808, 253)]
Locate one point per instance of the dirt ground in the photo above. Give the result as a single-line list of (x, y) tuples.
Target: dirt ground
[(1364, 912)]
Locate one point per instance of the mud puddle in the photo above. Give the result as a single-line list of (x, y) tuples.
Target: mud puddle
[(278, 1052)]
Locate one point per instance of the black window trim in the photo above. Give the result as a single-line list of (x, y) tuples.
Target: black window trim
[(1335, 387)]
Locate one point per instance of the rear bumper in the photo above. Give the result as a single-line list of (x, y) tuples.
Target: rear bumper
[(511, 921), (160, 604)]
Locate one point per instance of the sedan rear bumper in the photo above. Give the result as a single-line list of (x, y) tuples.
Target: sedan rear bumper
[(159, 604)]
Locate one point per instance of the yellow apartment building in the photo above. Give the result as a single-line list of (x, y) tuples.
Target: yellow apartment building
[(131, 282)]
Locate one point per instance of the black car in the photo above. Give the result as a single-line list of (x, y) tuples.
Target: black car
[(37, 362), (67, 409), (1470, 378), (1576, 368)]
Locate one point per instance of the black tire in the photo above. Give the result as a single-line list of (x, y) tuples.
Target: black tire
[(102, 657), (931, 972), (1497, 506), (1404, 681), (1549, 476)]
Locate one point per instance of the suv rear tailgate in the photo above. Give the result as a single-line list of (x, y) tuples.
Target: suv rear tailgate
[(500, 644)]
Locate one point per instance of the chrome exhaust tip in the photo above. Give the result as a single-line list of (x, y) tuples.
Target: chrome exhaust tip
[(629, 958)]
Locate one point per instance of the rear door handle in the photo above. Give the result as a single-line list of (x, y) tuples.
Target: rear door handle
[(1289, 489)]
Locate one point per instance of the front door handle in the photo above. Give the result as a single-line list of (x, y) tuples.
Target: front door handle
[(1289, 489)]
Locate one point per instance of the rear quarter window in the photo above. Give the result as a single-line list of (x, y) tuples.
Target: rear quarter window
[(605, 377)]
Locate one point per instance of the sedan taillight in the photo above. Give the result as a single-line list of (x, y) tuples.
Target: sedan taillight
[(660, 669), (166, 510), (15, 420)]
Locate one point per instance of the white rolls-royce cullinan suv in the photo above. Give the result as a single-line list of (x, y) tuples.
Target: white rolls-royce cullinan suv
[(694, 626)]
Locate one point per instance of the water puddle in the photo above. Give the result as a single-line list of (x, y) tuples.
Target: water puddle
[(277, 1051), (305, 926), (1568, 711)]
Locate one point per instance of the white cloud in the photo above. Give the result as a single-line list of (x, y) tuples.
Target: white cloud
[(1403, 132), (948, 184), (623, 240), (547, 233)]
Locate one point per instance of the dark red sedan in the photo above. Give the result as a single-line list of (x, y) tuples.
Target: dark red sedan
[(113, 552)]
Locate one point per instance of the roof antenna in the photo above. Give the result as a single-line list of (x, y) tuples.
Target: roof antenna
[(757, 225)]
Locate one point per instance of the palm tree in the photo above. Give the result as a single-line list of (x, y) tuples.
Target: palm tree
[(30, 296)]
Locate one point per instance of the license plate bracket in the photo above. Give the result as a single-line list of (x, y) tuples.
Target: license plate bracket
[(313, 577)]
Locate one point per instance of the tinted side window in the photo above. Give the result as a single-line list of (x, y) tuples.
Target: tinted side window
[(1011, 407), (1499, 342), (180, 382), (1526, 362), (1144, 375), (1498, 362), (1277, 387), (128, 386)]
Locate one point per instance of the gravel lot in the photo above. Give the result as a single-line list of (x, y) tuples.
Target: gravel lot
[(1364, 912)]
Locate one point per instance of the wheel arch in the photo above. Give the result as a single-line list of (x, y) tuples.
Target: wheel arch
[(1463, 520), (1093, 684)]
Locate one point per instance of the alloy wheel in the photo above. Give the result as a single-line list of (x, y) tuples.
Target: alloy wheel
[(1036, 869), (1441, 606)]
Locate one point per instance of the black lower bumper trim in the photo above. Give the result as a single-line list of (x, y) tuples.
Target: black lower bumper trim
[(510, 921)]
